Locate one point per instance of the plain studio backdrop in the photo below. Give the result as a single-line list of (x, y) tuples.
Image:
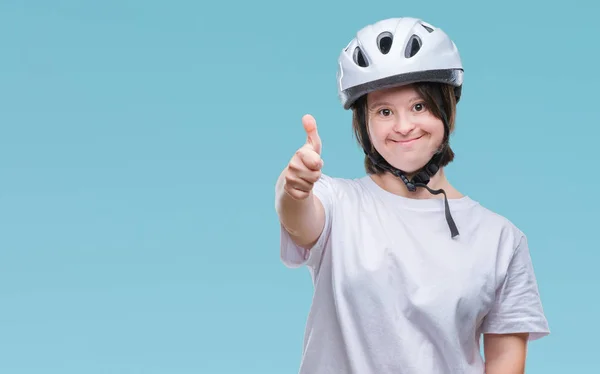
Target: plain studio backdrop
[(140, 142)]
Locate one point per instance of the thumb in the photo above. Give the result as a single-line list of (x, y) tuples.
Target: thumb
[(310, 126)]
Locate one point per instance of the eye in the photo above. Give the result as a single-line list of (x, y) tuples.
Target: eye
[(385, 112), (419, 107)]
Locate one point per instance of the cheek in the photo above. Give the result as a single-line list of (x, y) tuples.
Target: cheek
[(378, 134), (435, 129)]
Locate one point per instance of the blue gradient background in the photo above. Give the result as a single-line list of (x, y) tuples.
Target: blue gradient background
[(140, 142)]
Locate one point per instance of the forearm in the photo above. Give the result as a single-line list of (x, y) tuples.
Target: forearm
[(302, 219)]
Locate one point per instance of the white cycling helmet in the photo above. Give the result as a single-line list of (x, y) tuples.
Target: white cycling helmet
[(397, 51)]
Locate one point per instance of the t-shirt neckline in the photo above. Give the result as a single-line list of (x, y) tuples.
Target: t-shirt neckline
[(434, 203)]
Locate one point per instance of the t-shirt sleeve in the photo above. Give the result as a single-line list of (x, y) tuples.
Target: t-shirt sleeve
[(294, 256), (518, 307)]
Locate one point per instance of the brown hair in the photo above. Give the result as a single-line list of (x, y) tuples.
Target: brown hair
[(428, 92)]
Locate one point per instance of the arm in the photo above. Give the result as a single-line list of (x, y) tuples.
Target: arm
[(301, 213), (505, 353), (303, 219), (516, 316)]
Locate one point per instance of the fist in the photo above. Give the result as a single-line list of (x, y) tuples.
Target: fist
[(304, 169)]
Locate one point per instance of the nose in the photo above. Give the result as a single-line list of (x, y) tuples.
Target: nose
[(404, 125)]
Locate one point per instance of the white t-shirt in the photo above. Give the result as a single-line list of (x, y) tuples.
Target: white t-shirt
[(394, 293)]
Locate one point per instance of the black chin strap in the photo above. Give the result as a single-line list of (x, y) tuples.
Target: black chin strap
[(422, 177), (453, 229)]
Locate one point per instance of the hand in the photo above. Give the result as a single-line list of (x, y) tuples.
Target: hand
[(304, 169)]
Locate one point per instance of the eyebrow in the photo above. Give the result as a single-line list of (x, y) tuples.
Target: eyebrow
[(383, 102), (378, 103)]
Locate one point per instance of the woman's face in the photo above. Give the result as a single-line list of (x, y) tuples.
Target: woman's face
[(402, 129)]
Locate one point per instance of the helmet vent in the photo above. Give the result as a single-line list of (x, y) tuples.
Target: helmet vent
[(359, 58), (429, 29), (384, 42), (412, 47)]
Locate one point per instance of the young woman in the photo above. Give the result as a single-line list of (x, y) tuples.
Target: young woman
[(409, 273)]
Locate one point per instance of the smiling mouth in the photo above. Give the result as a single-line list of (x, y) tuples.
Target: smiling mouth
[(409, 141)]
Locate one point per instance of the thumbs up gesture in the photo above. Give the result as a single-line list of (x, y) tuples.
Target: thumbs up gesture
[(304, 169)]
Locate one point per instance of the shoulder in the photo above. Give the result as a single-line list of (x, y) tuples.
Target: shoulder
[(342, 186), (496, 219), (340, 192), (499, 228)]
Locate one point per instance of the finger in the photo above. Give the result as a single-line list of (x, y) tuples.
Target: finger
[(295, 184), (297, 194), (297, 168), (310, 176), (310, 158), (310, 126)]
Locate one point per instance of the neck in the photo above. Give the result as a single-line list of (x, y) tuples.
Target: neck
[(394, 185)]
